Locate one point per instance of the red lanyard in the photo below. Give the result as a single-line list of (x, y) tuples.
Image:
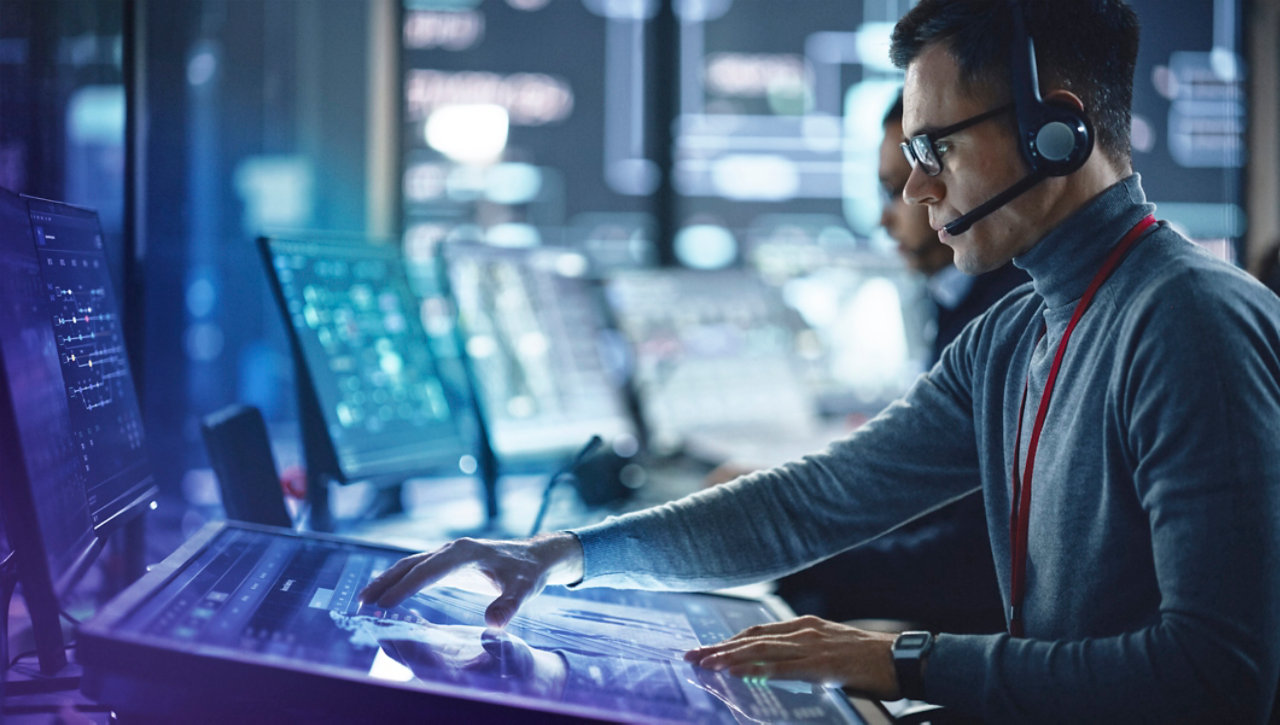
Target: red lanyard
[(1020, 515)]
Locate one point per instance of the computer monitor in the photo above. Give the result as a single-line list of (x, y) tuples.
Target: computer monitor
[(713, 353), (548, 366), (373, 403), (70, 428)]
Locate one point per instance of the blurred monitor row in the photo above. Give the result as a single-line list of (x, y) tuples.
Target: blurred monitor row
[(407, 360)]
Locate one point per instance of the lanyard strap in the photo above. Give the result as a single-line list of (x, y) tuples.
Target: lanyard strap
[(1020, 514)]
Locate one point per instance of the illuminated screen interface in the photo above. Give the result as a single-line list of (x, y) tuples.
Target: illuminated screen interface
[(292, 600), (536, 336), (107, 438), (713, 350), (360, 335), (75, 409)]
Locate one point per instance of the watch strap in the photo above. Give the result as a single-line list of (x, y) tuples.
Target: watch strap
[(909, 652)]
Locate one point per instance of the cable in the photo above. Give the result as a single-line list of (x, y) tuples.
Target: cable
[(32, 653), (595, 442)]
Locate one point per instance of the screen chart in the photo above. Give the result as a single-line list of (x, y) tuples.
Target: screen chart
[(75, 411), (107, 437)]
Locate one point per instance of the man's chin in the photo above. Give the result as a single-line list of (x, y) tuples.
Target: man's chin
[(971, 264)]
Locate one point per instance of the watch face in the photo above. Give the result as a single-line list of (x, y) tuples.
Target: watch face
[(911, 640)]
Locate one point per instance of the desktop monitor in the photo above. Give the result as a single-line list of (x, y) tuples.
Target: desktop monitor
[(70, 428), (713, 354), (548, 368), (374, 405)]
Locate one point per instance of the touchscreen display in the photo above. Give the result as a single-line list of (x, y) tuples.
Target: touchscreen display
[(292, 600)]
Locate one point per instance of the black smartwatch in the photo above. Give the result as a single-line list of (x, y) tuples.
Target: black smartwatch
[(909, 651)]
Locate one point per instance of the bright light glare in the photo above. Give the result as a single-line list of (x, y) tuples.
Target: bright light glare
[(468, 133)]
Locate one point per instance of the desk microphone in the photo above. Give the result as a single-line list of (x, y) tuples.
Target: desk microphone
[(590, 447), (961, 224)]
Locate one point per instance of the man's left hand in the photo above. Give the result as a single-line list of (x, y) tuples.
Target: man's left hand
[(808, 649)]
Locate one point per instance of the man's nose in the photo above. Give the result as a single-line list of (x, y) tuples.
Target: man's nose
[(922, 188)]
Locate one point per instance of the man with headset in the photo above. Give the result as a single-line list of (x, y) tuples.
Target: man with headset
[(1116, 415)]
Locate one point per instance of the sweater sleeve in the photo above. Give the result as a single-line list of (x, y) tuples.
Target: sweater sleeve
[(1197, 396), (917, 455)]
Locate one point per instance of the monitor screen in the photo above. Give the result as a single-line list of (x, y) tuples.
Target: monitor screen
[(714, 351), (108, 445), (71, 427), (548, 370), (286, 602), (75, 411), (359, 342)]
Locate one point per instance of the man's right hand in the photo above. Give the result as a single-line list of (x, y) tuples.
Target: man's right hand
[(519, 570)]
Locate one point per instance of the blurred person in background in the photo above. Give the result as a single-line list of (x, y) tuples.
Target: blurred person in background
[(952, 586)]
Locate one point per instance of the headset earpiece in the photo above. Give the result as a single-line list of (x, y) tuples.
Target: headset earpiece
[(1055, 139), (1062, 141)]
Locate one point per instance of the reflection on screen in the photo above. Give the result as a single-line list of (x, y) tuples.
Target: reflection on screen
[(292, 600), (536, 337), (357, 326)]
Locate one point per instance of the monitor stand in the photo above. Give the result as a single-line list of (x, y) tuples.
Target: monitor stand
[(487, 472), (321, 464), (56, 673), (42, 606), (319, 460)]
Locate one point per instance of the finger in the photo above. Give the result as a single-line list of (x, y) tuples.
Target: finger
[(700, 653), (424, 573), (758, 631), (754, 652), (380, 583), (514, 592), (777, 628)]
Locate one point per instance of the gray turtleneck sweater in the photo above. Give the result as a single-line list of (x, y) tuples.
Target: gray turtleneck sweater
[(1154, 548)]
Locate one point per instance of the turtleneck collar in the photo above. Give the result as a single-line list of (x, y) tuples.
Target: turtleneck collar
[(1062, 264)]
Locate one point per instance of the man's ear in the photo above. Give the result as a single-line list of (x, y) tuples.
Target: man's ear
[(1063, 97)]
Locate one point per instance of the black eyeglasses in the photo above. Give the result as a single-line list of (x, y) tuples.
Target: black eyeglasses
[(920, 149)]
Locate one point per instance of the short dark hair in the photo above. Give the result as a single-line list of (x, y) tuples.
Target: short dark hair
[(1088, 47)]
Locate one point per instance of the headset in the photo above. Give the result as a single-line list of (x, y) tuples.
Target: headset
[(1055, 139)]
